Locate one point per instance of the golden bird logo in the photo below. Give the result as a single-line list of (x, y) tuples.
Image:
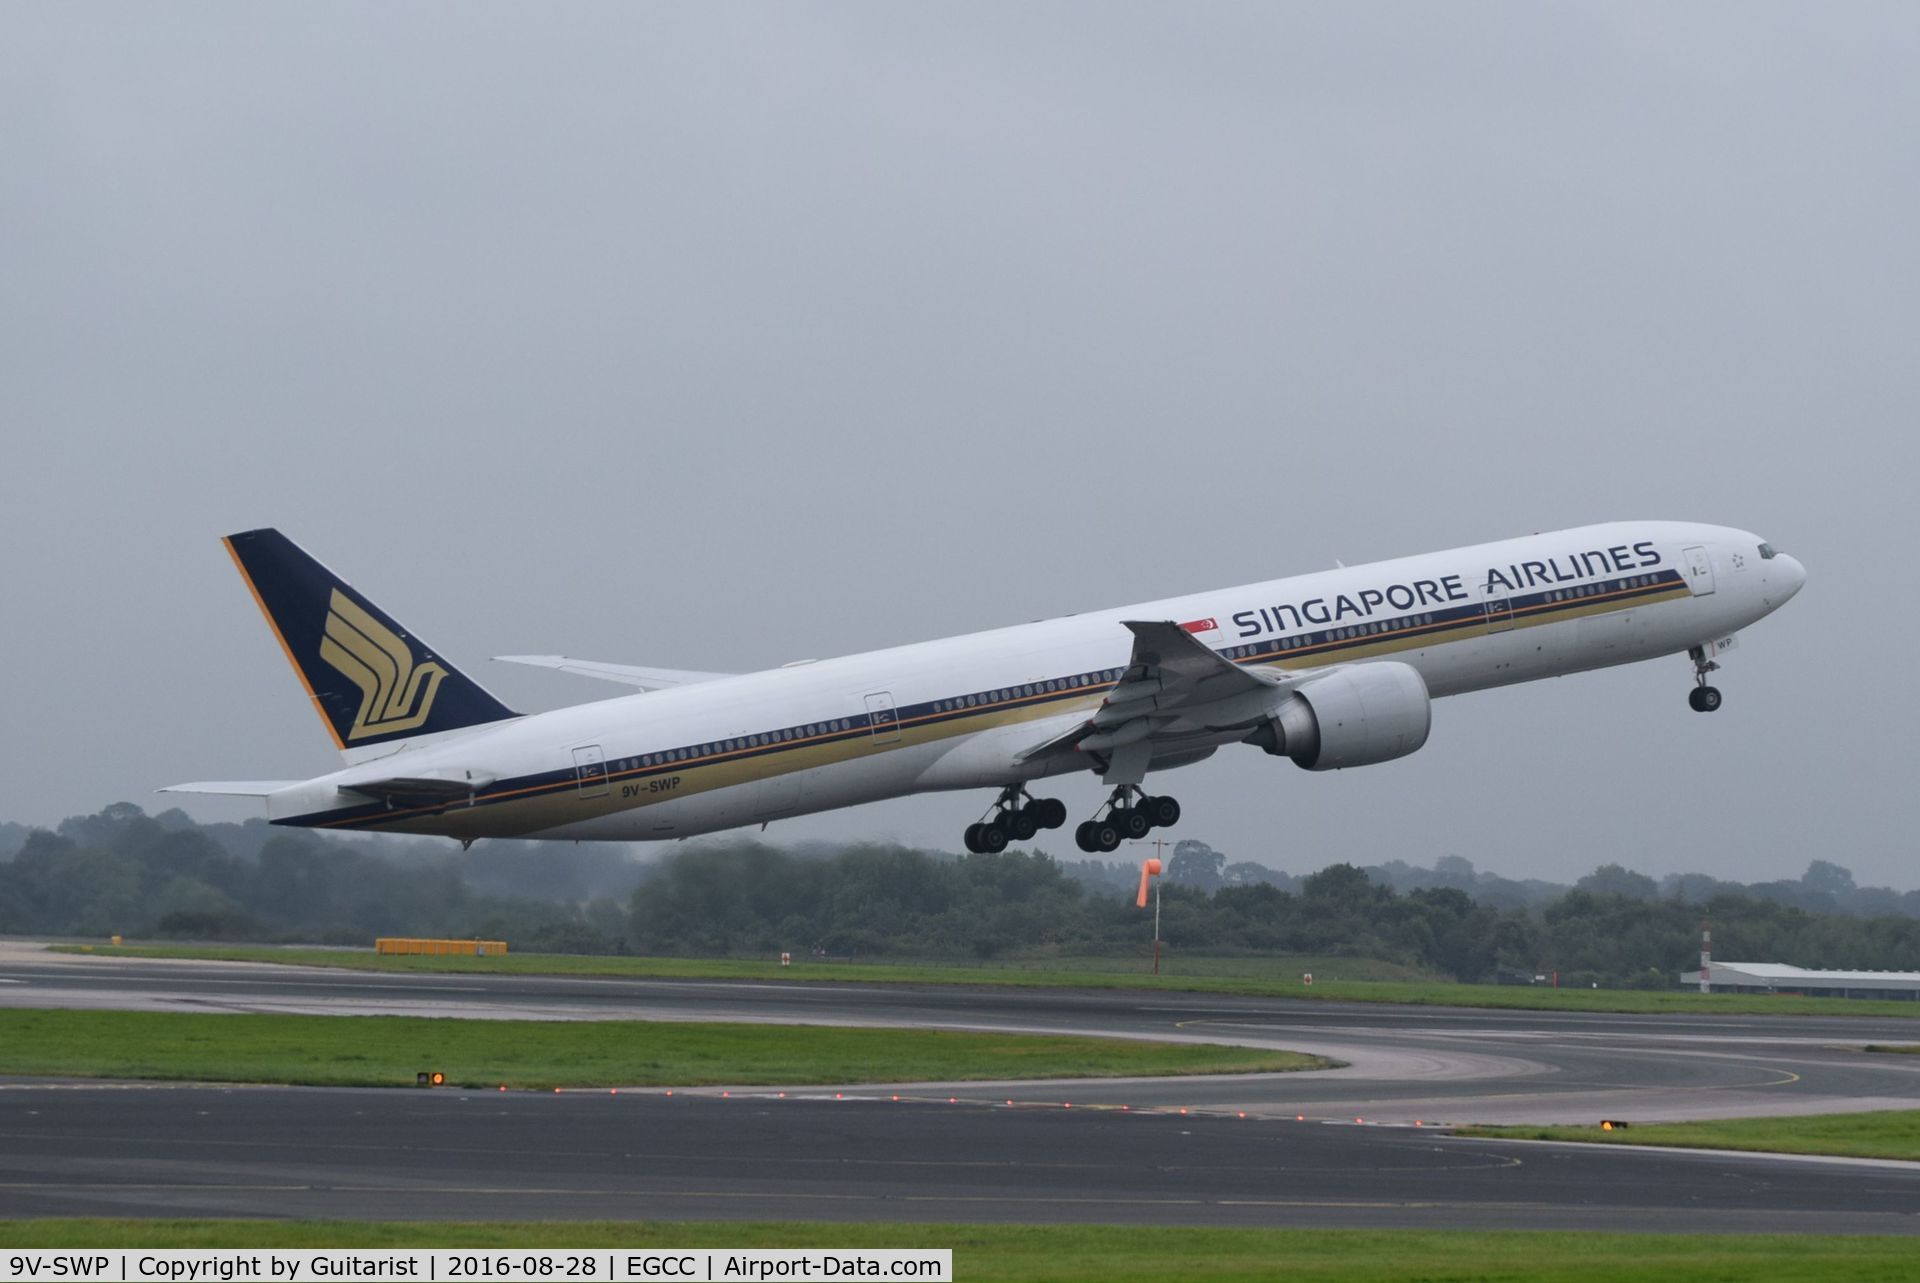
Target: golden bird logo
[(395, 693)]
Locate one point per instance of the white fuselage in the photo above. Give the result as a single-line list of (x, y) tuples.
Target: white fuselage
[(961, 712)]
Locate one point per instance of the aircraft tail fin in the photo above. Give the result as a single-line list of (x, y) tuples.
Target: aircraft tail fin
[(371, 680)]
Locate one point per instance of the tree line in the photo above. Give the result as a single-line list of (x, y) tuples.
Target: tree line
[(122, 871)]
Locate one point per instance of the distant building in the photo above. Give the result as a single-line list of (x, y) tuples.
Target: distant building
[(1778, 977)]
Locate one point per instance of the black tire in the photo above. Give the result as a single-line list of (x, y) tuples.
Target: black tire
[(1050, 811), (993, 839), (1132, 822), (972, 837), (1020, 825), (1083, 837), (1163, 811), (1143, 805), (1107, 834)]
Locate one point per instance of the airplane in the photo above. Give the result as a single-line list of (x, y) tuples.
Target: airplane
[(1331, 670)]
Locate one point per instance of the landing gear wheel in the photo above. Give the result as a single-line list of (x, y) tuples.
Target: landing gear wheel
[(1704, 699), (1131, 821), (1107, 834), (1021, 824), (1164, 812), (1049, 812), (972, 838), (993, 839), (1084, 838)]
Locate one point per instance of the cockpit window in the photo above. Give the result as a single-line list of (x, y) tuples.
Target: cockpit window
[(1767, 553)]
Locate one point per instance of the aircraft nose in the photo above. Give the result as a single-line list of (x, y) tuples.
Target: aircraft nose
[(1793, 575)]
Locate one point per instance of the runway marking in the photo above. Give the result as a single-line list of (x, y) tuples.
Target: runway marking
[(806, 1195), (1022, 1199), (286, 984), (43, 1187)]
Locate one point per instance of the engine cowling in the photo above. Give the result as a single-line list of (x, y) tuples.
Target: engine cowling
[(1352, 717)]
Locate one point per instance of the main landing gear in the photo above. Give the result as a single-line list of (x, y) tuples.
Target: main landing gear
[(1130, 813), (1702, 698), (1014, 820)]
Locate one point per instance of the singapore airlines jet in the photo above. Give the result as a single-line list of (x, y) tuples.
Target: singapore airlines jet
[(1331, 670)]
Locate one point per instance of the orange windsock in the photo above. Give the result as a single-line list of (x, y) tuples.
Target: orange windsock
[(1148, 869)]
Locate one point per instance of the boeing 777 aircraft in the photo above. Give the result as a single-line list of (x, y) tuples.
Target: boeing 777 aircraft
[(1330, 670)]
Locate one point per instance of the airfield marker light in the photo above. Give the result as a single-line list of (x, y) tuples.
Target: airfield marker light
[(838, 1096), (896, 1098), (1359, 1120), (953, 1100), (1126, 1109), (1183, 1109), (783, 1095), (669, 1091), (503, 1086), (1243, 1113), (1612, 1125), (725, 1094), (1009, 1102), (1066, 1104)]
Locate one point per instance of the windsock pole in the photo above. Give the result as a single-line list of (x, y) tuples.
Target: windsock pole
[(1706, 957), (1150, 869)]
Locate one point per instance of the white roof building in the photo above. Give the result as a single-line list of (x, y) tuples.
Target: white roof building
[(1778, 977)]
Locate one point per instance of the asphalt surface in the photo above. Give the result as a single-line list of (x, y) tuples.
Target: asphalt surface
[(396, 1154), (133, 1150)]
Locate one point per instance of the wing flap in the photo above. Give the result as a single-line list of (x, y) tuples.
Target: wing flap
[(1175, 688)]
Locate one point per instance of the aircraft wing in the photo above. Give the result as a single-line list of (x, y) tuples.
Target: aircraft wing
[(1175, 687), (627, 674), (232, 788)]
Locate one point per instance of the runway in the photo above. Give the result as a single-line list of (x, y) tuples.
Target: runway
[(129, 1150)]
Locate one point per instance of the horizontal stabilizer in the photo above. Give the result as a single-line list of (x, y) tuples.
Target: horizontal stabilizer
[(626, 674), (420, 788), (232, 788)]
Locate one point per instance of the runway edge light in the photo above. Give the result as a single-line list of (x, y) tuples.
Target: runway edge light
[(1612, 1125)]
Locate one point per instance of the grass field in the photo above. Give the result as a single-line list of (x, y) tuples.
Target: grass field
[(1123, 1254), (1891, 1133), (1895, 1051), (1335, 979), (364, 1051)]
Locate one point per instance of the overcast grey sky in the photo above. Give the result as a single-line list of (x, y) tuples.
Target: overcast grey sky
[(716, 336)]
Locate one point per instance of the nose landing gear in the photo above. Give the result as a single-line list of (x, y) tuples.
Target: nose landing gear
[(1130, 813), (1702, 698), (1014, 820)]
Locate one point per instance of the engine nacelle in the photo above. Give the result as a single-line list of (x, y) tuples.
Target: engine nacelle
[(1351, 717)]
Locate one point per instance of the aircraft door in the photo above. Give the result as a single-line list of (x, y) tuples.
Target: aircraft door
[(1699, 571), (1498, 606), (590, 770), (883, 717)]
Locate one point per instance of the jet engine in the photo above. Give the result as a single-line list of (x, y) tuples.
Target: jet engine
[(1351, 717)]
